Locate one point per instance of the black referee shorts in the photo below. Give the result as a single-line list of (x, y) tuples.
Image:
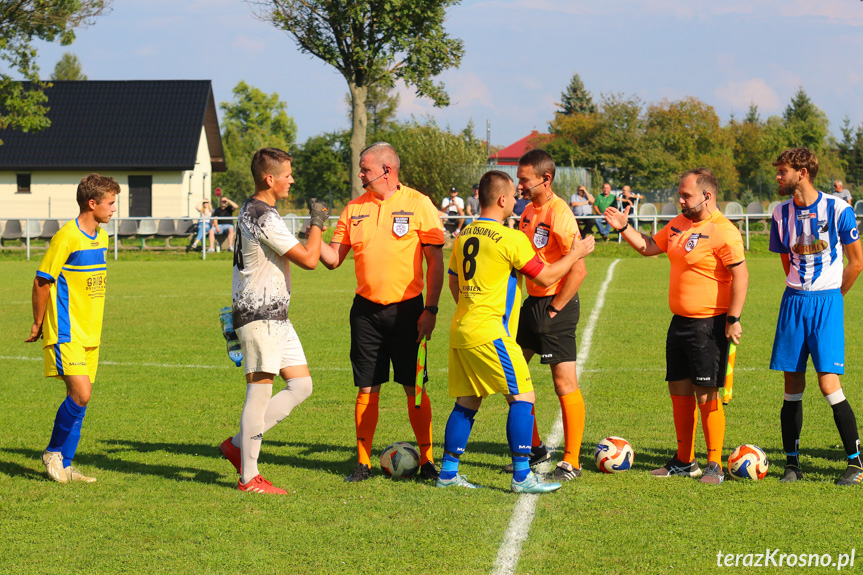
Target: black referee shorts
[(381, 334), (696, 349), (552, 338)]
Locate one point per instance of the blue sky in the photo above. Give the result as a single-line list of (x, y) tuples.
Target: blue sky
[(519, 56)]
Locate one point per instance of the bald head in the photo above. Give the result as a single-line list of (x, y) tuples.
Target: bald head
[(384, 154)]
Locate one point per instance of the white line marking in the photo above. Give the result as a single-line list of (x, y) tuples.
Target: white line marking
[(525, 508)]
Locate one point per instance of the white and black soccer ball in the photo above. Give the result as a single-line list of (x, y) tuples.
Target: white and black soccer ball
[(613, 455), (748, 462), (400, 460)]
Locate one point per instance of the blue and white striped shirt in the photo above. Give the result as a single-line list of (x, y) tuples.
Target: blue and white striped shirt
[(813, 237)]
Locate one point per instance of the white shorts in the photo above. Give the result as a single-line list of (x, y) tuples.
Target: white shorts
[(270, 346)]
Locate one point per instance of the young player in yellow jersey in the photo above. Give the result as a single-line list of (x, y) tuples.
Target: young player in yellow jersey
[(68, 303), (485, 271)]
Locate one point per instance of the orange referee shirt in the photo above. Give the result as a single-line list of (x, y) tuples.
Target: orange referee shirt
[(387, 238), (550, 230), (700, 253)]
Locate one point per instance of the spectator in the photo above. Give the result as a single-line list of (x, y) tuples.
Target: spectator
[(203, 224), (520, 205), (840, 193), (473, 202), (602, 202), (224, 225), (453, 207), (581, 203)]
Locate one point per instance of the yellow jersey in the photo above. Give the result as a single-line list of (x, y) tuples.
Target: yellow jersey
[(75, 265), (489, 259)]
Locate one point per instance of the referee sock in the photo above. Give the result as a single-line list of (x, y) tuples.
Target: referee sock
[(64, 421), (458, 428), (846, 423), (297, 389), (421, 422), (252, 427), (683, 407), (713, 424), (519, 426), (572, 410), (366, 418), (791, 419)]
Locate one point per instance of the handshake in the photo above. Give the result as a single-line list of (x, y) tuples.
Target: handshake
[(318, 213)]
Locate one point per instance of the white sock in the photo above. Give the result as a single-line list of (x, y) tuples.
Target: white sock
[(296, 391), (252, 427)]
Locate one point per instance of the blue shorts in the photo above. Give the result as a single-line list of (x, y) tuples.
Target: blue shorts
[(810, 323)]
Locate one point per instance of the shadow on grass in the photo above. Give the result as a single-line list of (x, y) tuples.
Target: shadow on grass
[(13, 469)]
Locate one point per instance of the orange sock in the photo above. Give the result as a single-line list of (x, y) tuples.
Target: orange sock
[(572, 410), (366, 415), (684, 426), (713, 424), (421, 422), (537, 440)]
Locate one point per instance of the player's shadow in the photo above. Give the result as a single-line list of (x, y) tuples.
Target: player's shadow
[(13, 469), (308, 456)]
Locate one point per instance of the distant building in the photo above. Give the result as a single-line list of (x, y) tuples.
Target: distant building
[(159, 139), (509, 155)]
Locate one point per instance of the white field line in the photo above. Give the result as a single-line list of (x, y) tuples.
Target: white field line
[(525, 508)]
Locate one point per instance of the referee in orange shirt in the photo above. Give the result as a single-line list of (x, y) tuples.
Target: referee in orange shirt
[(391, 229), (549, 316), (706, 295)]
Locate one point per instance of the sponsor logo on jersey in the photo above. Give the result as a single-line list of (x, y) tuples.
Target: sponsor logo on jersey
[(807, 245), (401, 226), (692, 242), (806, 215), (540, 236), (823, 226)]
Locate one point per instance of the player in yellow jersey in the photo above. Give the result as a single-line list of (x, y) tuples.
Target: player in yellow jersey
[(391, 229), (550, 313), (68, 303), (485, 271)]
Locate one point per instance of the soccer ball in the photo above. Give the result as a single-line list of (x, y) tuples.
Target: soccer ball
[(748, 462), (613, 455), (400, 460)]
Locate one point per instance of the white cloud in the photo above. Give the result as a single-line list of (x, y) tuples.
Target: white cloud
[(739, 95), (835, 11), (246, 44)]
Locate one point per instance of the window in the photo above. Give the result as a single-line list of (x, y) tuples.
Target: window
[(23, 183)]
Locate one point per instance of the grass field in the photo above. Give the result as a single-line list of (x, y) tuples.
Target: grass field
[(166, 396)]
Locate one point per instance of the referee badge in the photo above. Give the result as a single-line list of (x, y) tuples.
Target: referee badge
[(692, 242), (540, 237), (401, 226)]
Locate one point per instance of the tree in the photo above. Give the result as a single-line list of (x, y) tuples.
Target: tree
[(22, 105), (381, 107), (433, 160), (575, 99), (68, 67), (322, 169), (851, 151), (253, 120), (806, 124), (371, 42)]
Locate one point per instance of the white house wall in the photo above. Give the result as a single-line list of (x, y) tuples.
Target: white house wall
[(52, 193)]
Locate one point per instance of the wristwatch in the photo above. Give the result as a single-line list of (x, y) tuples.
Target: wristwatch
[(432, 309), (731, 319)]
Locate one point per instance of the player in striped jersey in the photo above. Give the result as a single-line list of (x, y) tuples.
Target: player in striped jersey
[(811, 232), (68, 304)]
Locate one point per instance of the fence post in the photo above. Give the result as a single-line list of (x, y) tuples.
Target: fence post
[(27, 235)]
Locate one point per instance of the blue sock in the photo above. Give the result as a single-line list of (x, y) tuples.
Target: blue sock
[(458, 428), (70, 446), (519, 433), (67, 413)]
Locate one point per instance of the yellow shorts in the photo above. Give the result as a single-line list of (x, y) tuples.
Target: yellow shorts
[(71, 359), (495, 367)]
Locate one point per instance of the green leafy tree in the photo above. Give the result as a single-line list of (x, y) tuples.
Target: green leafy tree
[(382, 104), (22, 105), (68, 67), (321, 170), (576, 99), (433, 159), (371, 42), (253, 120), (851, 152), (751, 153), (805, 124)]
